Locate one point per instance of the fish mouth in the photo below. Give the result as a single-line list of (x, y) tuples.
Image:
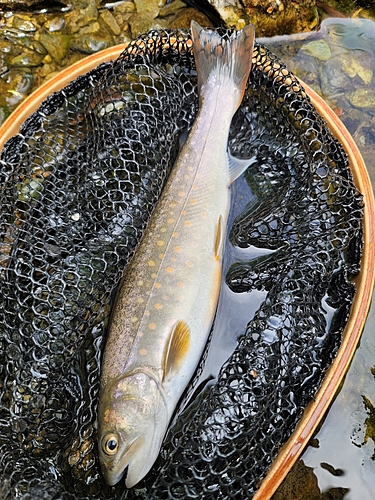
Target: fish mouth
[(123, 462)]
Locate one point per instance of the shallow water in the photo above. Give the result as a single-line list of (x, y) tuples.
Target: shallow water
[(338, 62)]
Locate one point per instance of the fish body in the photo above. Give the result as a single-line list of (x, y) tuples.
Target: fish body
[(166, 304)]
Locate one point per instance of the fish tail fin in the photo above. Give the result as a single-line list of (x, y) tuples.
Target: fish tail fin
[(223, 58)]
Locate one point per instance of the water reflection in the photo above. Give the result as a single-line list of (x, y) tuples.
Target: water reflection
[(338, 62)]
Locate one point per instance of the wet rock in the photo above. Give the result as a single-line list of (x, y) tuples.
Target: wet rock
[(21, 4), (109, 19), (5, 46), (125, 7), (48, 68), (332, 78), (184, 17), (171, 8), (31, 44), (27, 60), (55, 24), (90, 29), (148, 8), (300, 484), (4, 113), (23, 23), (362, 98), (56, 45), (353, 67), (17, 85), (142, 23), (352, 120), (89, 44), (270, 17), (318, 49), (80, 17)]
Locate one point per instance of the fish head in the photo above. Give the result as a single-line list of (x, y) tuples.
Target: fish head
[(132, 421)]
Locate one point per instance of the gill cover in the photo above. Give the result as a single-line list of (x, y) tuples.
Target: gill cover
[(132, 421)]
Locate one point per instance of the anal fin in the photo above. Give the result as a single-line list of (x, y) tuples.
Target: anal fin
[(238, 166)]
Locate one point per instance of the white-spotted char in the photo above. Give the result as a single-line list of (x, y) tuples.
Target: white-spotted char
[(166, 304)]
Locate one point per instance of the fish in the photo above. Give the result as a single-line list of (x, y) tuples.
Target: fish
[(166, 304)]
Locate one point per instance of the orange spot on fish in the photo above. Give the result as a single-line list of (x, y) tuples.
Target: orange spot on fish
[(158, 306), (169, 270), (157, 285), (143, 352), (183, 212), (189, 264), (203, 214), (188, 223), (151, 263), (181, 193), (147, 313), (180, 284), (170, 221), (152, 326), (161, 255), (153, 275), (160, 243), (177, 249), (193, 201), (175, 234)]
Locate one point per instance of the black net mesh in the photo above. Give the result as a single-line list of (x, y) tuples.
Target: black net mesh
[(78, 185)]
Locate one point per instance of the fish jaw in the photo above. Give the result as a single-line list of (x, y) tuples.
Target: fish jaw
[(132, 421), (114, 471)]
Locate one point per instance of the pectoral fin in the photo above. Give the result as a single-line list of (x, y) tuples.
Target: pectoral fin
[(177, 349), (237, 166)]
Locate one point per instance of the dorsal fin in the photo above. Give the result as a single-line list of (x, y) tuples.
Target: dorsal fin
[(177, 348)]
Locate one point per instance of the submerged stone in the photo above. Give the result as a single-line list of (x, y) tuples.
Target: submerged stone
[(362, 98), (318, 49), (354, 68)]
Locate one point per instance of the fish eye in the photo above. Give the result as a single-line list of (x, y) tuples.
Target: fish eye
[(110, 444)]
